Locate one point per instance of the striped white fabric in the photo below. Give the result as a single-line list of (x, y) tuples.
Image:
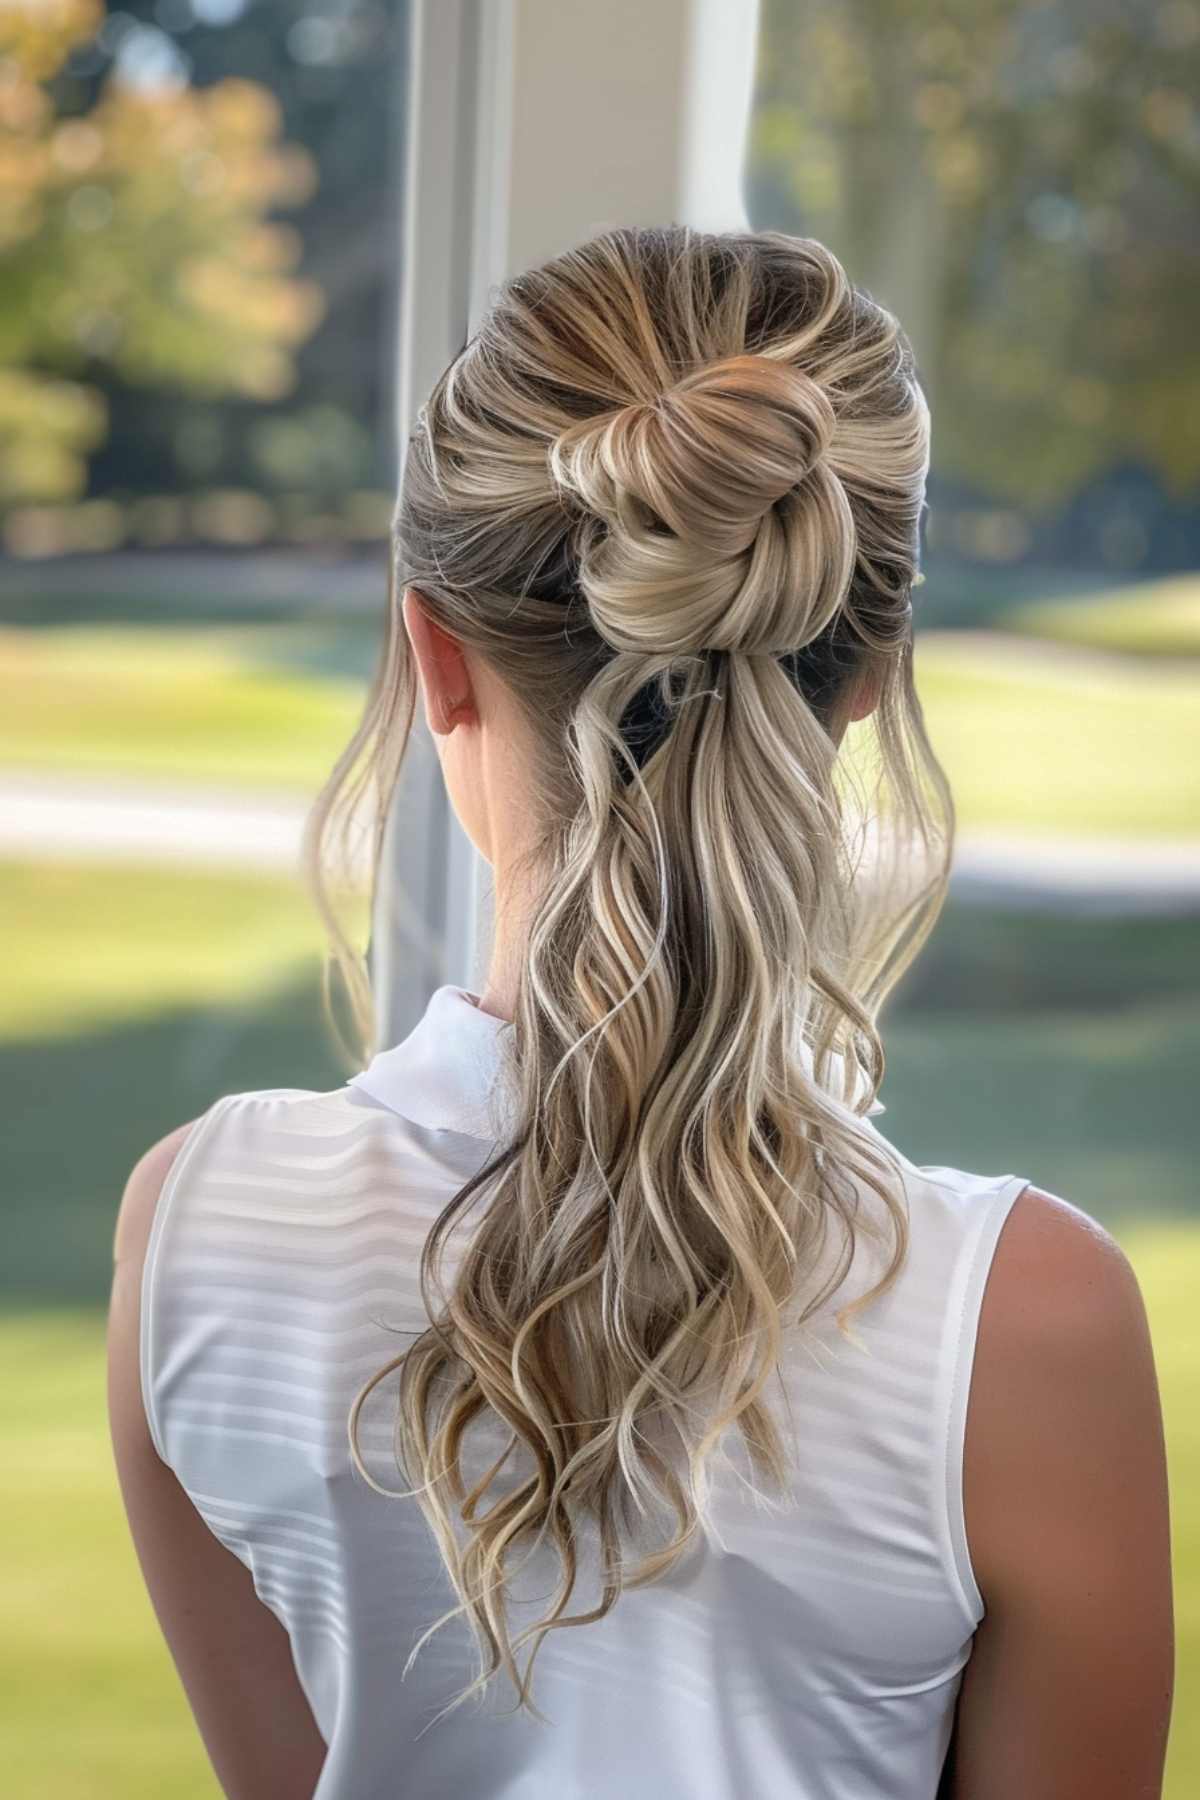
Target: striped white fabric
[(811, 1649)]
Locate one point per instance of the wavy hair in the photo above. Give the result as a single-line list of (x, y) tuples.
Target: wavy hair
[(671, 491)]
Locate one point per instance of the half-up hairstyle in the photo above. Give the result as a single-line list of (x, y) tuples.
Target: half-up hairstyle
[(670, 491)]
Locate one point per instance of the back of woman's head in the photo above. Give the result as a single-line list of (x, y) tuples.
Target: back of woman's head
[(671, 492)]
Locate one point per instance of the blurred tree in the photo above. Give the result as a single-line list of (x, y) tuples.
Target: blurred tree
[(1018, 180), (336, 69), (135, 244)]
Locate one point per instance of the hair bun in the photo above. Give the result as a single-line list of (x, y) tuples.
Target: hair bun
[(714, 520)]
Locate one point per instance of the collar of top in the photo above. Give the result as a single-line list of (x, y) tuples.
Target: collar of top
[(443, 1074)]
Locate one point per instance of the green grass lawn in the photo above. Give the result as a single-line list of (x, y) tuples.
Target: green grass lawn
[(1149, 618), (1041, 738), (1034, 737), (90, 1707), (215, 703), (112, 946)]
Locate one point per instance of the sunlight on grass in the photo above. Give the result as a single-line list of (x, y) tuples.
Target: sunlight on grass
[(1167, 1262), (1150, 618), (91, 1708), (1036, 738), (101, 946), (162, 703)]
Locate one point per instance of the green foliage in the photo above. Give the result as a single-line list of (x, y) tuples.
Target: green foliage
[(320, 448), (1018, 182), (47, 426), (136, 241)]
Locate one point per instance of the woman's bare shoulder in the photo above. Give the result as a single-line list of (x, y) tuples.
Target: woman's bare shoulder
[(1063, 1345), (1049, 1245), (1066, 1510)]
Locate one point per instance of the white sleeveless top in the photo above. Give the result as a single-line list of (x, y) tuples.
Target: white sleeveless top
[(810, 1650)]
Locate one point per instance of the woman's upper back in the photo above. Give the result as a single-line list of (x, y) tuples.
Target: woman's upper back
[(815, 1648)]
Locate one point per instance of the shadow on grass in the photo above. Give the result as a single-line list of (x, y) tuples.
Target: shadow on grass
[(82, 1110), (1055, 1047)]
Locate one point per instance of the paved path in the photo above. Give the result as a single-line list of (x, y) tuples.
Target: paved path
[(106, 817), (193, 825), (1078, 874)]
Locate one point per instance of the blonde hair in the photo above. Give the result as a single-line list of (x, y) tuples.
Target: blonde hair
[(671, 491)]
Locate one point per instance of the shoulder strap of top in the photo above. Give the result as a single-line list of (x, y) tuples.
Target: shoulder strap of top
[(963, 1304), (150, 1337), (176, 1327)]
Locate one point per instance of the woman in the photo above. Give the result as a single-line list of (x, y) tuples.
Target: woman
[(599, 1301)]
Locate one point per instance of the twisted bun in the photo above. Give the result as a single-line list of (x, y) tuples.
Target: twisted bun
[(712, 519)]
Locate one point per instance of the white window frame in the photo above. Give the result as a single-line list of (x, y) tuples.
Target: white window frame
[(531, 124)]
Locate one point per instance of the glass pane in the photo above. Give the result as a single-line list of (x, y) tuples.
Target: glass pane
[(200, 228)]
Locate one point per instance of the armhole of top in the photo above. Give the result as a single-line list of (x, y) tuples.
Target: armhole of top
[(966, 1304), (148, 1361)]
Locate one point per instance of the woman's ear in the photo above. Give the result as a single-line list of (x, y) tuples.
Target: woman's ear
[(445, 678), (866, 698)]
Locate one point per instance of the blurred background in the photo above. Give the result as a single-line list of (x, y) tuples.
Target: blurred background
[(200, 207)]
